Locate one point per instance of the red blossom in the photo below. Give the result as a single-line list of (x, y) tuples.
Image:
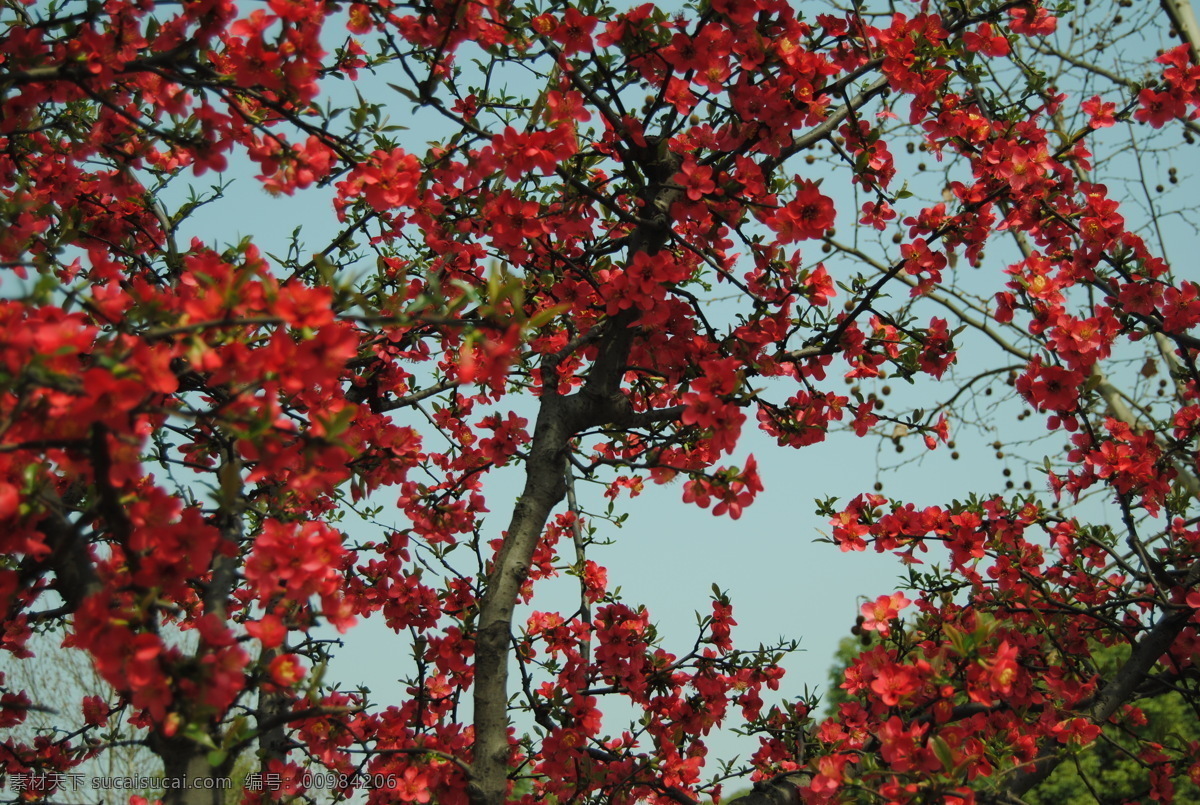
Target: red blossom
[(1159, 108), (986, 40), (574, 32), (809, 215), (1101, 112), (186, 426), (882, 611)]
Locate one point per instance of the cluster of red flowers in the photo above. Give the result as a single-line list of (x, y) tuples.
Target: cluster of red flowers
[(566, 247)]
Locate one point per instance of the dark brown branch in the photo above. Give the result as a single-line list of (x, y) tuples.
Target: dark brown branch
[(1119, 690)]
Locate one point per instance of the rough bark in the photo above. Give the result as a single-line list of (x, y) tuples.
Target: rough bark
[(1119, 690), (544, 488), (184, 760), (193, 780), (560, 418)]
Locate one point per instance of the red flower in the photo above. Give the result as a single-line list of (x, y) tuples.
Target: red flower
[(1101, 113), (1050, 388), (566, 107), (894, 682), (1032, 21), (985, 40), (696, 179), (818, 286), (809, 215), (574, 32), (270, 631), (1002, 669), (286, 670), (388, 180), (882, 611), (1159, 108), (413, 786), (95, 711), (922, 262), (10, 499), (877, 215), (359, 21)]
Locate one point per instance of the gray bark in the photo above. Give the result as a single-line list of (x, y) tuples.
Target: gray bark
[(560, 419), (1119, 690), (193, 780), (1184, 19)]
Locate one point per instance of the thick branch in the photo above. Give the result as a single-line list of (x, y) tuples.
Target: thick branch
[(1121, 689), (75, 574), (782, 790), (560, 419), (1183, 18), (197, 780), (544, 488)]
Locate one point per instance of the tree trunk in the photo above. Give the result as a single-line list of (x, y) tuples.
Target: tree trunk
[(544, 488), (1184, 19), (560, 418), (191, 780)]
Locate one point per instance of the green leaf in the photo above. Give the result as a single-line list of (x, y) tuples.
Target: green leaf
[(198, 735), (546, 315), (943, 752), (407, 93)]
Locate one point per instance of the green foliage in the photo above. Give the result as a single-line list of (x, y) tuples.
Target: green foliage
[(1109, 771)]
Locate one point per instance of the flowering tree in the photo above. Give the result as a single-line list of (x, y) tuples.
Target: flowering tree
[(185, 426), (57, 681)]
